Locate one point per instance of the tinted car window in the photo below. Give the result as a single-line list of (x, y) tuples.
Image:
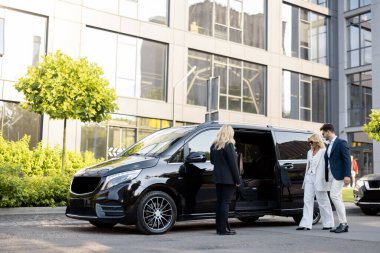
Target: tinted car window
[(202, 142), (292, 145)]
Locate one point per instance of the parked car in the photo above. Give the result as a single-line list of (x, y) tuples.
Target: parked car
[(367, 194), (167, 177)]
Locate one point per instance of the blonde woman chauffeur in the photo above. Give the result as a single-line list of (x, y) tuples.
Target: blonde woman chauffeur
[(315, 185)]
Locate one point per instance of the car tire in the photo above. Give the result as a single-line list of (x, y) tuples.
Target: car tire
[(316, 216), (250, 219), (369, 211), (156, 213), (100, 224)]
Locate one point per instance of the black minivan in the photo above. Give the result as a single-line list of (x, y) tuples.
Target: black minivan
[(167, 177)]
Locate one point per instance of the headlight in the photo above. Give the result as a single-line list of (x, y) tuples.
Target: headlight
[(120, 178), (359, 183)]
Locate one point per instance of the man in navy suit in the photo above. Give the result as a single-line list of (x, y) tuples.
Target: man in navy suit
[(338, 171)]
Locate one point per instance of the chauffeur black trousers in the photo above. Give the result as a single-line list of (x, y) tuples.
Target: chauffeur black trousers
[(224, 194)]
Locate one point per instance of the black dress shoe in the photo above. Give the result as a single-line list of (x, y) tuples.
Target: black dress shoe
[(302, 228), (340, 229), (227, 233), (326, 228)]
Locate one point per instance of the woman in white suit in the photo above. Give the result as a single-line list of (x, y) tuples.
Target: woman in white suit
[(315, 184)]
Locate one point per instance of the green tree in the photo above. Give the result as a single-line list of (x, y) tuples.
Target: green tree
[(64, 88), (373, 127)]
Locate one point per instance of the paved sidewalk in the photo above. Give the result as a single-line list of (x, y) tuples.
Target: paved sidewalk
[(350, 208)]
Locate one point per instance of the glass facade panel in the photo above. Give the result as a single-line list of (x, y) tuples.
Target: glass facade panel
[(109, 138), (354, 4), (359, 98), (156, 11), (240, 21), (200, 16), (359, 48), (304, 97), (242, 87), (304, 34), (24, 47), (135, 67), (15, 123), (196, 82)]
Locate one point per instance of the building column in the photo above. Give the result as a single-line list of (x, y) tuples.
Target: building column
[(375, 11)]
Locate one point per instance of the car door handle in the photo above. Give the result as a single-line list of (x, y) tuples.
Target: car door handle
[(288, 166)]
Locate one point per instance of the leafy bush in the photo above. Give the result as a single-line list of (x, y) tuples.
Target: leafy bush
[(34, 177)]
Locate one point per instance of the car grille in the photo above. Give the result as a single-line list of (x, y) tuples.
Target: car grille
[(374, 184), (81, 185)]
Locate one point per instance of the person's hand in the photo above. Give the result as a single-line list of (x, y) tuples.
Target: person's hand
[(237, 185), (346, 180)]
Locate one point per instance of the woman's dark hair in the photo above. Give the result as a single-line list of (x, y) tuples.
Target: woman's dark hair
[(327, 127)]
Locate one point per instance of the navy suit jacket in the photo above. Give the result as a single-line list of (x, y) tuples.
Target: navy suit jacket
[(340, 160), (226, 170)]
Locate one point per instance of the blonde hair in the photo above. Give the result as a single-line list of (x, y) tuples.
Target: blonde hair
[(315, 138), (224, 136)]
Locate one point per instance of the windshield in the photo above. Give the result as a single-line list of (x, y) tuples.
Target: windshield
[(157, 142)]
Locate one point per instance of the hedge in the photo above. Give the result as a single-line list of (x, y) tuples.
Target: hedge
[(34, 177)]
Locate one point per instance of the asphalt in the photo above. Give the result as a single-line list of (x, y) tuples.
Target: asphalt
[(351, 208)]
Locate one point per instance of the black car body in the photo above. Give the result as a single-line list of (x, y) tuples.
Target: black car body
[(367, 194), (167, 177)]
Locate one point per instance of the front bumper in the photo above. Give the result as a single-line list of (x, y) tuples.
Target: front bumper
[(111, 205), (366, 197)]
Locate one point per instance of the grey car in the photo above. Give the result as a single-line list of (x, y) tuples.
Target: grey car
[(367, 194)]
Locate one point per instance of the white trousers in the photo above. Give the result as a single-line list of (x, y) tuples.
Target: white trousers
[(336, 198), (323, 202)]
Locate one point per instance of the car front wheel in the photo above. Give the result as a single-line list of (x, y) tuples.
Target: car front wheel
[(156, 213)]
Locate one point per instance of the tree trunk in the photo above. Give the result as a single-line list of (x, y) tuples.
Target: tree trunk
[(64, 145)]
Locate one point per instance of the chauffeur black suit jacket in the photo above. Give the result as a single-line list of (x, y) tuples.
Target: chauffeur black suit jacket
[(225, 165)]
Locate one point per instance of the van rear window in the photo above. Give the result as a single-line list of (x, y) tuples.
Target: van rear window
[(292, 145)]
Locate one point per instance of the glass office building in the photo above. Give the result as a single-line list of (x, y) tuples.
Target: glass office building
[(278, 62)]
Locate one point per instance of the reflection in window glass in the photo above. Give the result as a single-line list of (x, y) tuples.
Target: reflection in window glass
[(240, 21), (31, 42), (202, 142), (359, 33), (304, 34), (110, 138), (15, 123), (354, 4), (242, 84), (359, 98), (292, 146), (304, 99), (135, 67), (196, 82), (146, 10)]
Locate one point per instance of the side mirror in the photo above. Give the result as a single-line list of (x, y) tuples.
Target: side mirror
[(196, 157)]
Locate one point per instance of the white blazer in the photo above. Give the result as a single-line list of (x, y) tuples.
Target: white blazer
[(318, 165)]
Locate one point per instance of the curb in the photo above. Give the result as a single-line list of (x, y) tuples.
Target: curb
[(32, 210), (351, 208)]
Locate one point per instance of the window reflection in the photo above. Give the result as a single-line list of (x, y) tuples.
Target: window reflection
[(108, 139), (359, 98), (304, 97), (240, 21), (304, 34), (135, 67), (242, 84), (354, 4), (31, 42), (359, 40), (15, 123)]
